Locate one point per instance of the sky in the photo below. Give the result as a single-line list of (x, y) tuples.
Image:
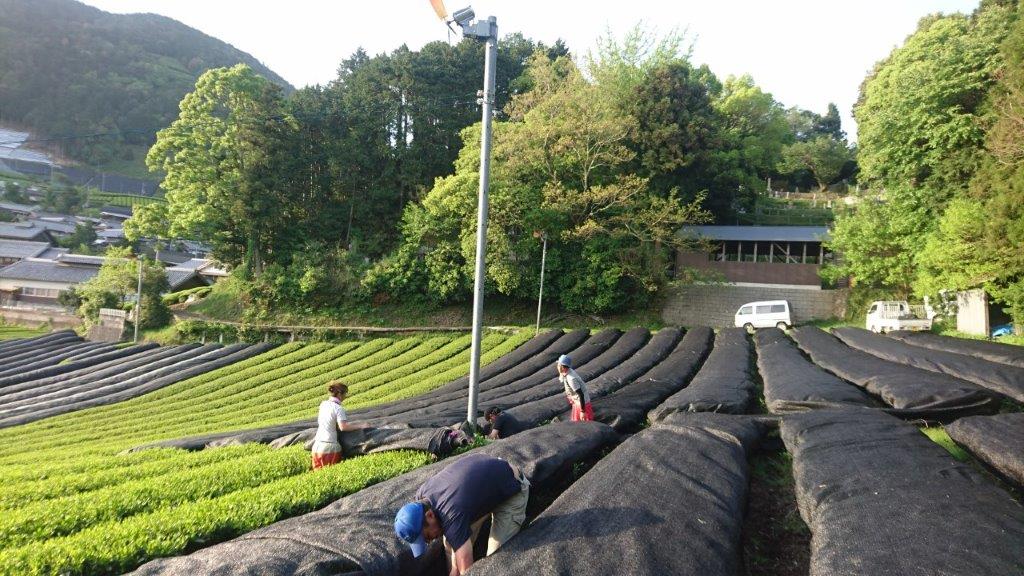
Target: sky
[(807, 53)]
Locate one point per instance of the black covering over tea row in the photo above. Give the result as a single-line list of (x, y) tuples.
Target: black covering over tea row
[(355, 535), (110, 377), (1002, 378), (992, 351), (998, 441), (626, 408), (794, 384), (882, 499), (915, 392), (669, 500), (724, 383)]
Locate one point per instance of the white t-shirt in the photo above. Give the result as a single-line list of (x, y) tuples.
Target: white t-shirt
[(332, 416), (572, 382)]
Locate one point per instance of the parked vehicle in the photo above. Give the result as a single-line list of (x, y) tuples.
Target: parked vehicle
[(1002, 330), (764, 315), (888, 315)]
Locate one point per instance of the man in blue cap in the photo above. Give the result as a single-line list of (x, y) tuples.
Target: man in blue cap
[(575, 390), (456, 501)]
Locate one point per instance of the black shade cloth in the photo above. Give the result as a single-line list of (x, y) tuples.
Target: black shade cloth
[(626, 409), (670, 500), (107, 358), (446, 397), (1005, 379), (356, 533), (29, 354), (660, 346), (130, 384), (53, 357), (540, 353), (28, 394), (598, 354), (11, 348), (915, 392), (882, 499), (94, 373), (437, 441), (998, 441), (263, 435), (723, 384), (993, 351), (794, 384)]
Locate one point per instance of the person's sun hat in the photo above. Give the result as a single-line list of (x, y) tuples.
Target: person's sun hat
[(409, 527)]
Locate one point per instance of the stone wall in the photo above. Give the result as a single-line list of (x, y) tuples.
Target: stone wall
[(716, 304), (36, 318)]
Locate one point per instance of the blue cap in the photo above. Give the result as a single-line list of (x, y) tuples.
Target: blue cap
[(409, 527), (564, 360)]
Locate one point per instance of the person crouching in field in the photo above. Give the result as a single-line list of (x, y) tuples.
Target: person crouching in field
[(502, 424), (454, 503), (331, 421), (575, 390)]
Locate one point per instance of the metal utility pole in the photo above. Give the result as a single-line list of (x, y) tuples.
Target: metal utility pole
[(138, 304), (485, 31), (540, 294), (481, 215)]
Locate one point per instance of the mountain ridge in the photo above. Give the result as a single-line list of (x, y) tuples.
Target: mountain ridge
[(71, 71)]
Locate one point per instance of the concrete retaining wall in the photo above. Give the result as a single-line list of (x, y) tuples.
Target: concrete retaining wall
[(716, 304), (36, 318)]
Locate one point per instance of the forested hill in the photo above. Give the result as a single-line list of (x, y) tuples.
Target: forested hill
[(71, 69)]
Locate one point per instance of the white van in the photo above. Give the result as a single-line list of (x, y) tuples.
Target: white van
[(764, 315)]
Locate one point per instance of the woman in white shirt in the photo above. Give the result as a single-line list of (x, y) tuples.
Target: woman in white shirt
[(332, 419)]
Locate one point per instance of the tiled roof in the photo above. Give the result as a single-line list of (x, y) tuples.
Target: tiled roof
[(119, 211), (81, 259), (20, 230), (759, 233), (53, 253), (48, 271), (111, 233), (177, 277), (22, 248), (61, 227), (15, 207)]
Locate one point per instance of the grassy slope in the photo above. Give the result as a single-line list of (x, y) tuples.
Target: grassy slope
[(9, 332), (224, 304), (121, 510)]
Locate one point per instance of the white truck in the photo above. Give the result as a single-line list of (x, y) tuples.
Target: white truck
[(888, 315)]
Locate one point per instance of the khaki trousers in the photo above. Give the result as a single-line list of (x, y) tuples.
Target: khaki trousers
[(506, 520)]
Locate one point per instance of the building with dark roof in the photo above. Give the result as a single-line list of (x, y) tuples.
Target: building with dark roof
[(12, 251), (18, 209), (25, 231), (758, 255), (39, 281), (120, 213)]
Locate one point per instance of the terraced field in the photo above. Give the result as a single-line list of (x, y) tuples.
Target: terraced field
[(117, 511), (846, 406), (11, 332)]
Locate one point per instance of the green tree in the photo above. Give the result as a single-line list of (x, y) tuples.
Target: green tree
[(560, 167), (980, 238), (920, 113), (878, 241), (148, 221), (222, 158), (678, 127), (117, 284), (84, 235), (824, 157)]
